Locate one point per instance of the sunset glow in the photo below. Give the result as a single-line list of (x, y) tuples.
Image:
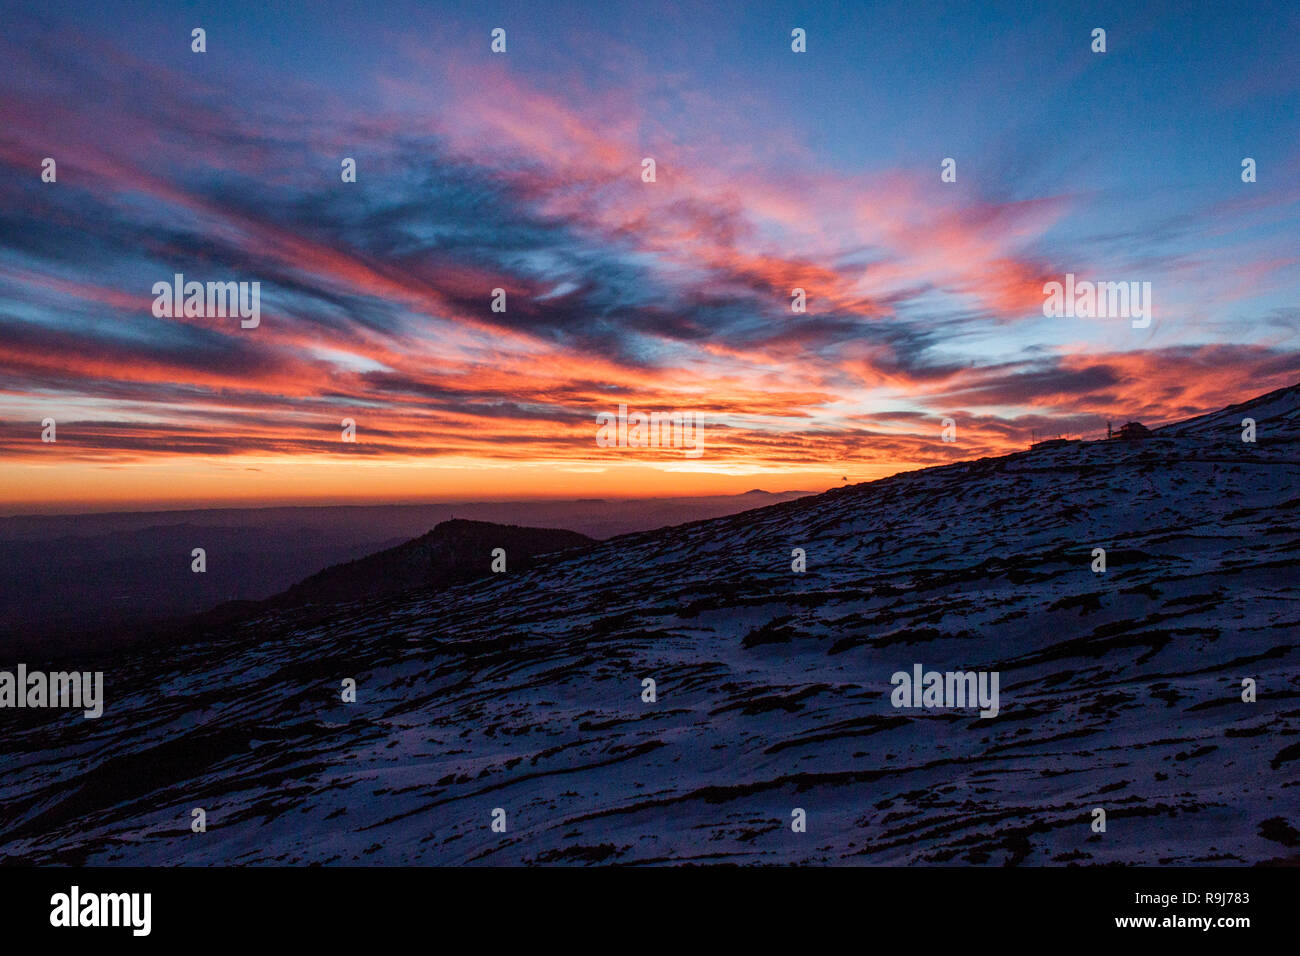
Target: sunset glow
[(523, 172)]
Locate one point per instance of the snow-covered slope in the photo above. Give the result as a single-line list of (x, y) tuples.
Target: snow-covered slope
[(1120, 691)]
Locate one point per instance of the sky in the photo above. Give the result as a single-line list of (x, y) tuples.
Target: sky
[(523, 171)]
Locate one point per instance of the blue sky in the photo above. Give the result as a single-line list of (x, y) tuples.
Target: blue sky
[(523, 171)]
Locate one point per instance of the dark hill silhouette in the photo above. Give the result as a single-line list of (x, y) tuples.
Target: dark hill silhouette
[(454, 552)]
